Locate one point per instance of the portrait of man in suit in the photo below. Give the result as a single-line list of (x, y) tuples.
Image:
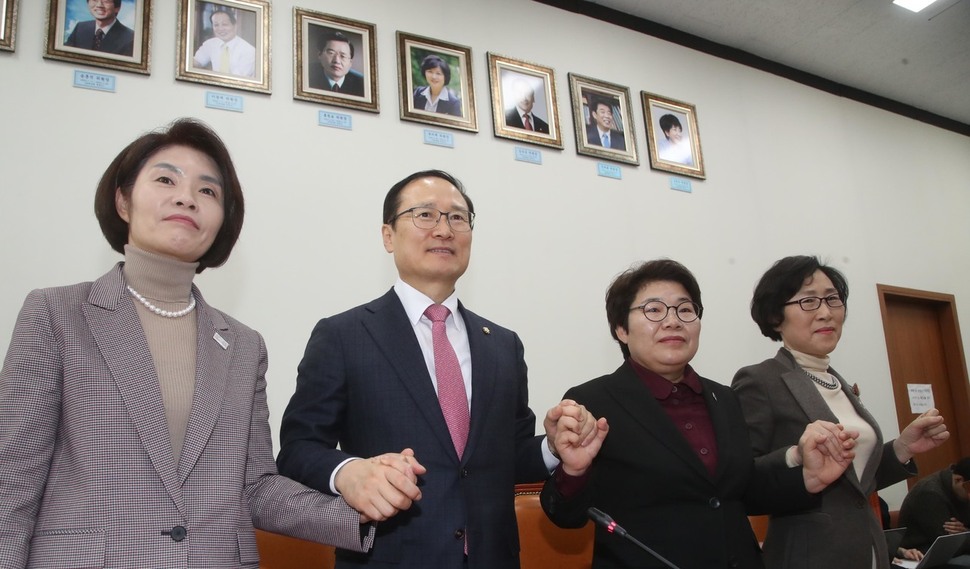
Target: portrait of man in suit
[(601, 130), (225, 51), (103, 32), (331, 64), (523, 94), (415, 371)]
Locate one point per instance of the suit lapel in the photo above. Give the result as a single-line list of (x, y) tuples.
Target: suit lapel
[(211, 381), (483, 374), (636, 400), (117, 330), (389, 327)]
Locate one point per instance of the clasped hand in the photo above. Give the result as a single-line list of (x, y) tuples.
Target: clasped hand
[(825, 450), (381, 486), (575, 435)]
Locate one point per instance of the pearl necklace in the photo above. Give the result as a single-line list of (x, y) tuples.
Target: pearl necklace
[(159, 311), (822, 382)]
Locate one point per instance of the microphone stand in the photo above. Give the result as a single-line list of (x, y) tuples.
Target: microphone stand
[(611, 526)]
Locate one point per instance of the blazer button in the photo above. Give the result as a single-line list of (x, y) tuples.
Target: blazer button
[(177, 533), (464, 473), (714, 503), (459, 534)]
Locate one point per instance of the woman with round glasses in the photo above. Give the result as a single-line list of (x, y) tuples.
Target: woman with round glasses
[(675, 468), (801, 302)]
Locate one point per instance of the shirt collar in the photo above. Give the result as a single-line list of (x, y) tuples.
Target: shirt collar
[(416, 302), (661, 387)]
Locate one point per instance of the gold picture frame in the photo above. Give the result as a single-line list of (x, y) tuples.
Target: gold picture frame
[(603, 120), (449, 67), (679, 153), (8, 24), (515, 85), (225, 43), (72, 34), (352, 61)]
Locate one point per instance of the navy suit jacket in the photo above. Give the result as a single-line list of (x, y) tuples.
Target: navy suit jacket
[(617, 140), (650, 480), (353, 81), (450, 107), (119, 40), (363, 383), (514, 120)]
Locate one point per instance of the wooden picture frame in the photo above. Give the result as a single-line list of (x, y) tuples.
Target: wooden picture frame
[(521, 88), (672, 151), (330, 50), (8, 24), (603, 120), (225, 43), (425, 65), (72, 34)]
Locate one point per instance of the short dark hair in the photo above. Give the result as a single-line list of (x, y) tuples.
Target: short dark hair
[(594, 105), (232, 17), (431, 61), (392, 201), (668, 122), (781, 282), (126, 166), (334, 35), (623, 291), (962, 467)]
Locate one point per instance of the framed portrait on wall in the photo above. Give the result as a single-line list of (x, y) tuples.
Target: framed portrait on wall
[(225, 43), (524, 104), (335, 61), (672, 135), (436, 82), (603, 120), (8, 24), (102, 33)]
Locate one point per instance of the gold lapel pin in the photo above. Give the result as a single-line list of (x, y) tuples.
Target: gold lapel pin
[(486, 330)]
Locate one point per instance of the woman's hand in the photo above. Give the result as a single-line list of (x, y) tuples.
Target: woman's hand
[(926, 432), (825, 450)]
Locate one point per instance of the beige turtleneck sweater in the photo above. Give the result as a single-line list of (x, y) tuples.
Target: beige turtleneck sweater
[(841, 407), (167, 283)]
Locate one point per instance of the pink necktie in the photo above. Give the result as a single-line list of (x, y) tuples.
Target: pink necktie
[(451, 387), (527, 122)]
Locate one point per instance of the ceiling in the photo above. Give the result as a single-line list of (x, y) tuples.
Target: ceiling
[(921, 60)]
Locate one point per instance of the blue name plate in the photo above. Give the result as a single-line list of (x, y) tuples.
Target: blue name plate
[(335, 120), (609, 171), (224, 101), (528, 155), (680, 184), (438, 138), (92, 80)]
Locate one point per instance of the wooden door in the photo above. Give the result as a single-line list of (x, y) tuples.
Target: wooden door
[(924, 347)]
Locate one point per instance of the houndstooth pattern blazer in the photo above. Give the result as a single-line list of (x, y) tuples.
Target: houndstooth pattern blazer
[(87, 473)]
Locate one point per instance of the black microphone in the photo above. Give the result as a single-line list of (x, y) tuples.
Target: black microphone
[(611, 526)]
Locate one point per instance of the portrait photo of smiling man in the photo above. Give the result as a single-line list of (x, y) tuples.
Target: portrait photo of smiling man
[(331, 67), (103, 32), (225, 51)]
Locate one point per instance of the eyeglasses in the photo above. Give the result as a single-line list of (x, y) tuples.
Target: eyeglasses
[(810, 303), (340, 55), (428, 218), (656, 311)]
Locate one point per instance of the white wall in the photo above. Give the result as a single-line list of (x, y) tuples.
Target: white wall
[(791, 170)]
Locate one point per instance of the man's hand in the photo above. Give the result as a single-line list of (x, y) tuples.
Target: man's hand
[(571, 416), (381, 486)]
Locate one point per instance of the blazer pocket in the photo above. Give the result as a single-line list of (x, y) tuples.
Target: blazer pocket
[(248, 550), (62, 548)]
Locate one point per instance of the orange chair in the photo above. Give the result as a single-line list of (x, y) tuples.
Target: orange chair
[(283, 552)]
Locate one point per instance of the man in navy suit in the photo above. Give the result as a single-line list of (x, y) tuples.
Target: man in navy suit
[(602, 131), (368, 382), (104, 33), (521, 116)]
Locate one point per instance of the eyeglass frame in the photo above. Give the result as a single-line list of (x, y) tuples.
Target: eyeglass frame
[(820, 299), (643, 308), (444, 214)]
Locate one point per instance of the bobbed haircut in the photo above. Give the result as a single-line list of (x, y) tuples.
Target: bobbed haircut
[(623, 291), (431, 61), (392, 201), (781, 282), (668, 122), (124, 169)]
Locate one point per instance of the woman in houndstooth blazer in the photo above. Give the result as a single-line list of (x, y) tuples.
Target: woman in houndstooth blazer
[(133, 421)]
